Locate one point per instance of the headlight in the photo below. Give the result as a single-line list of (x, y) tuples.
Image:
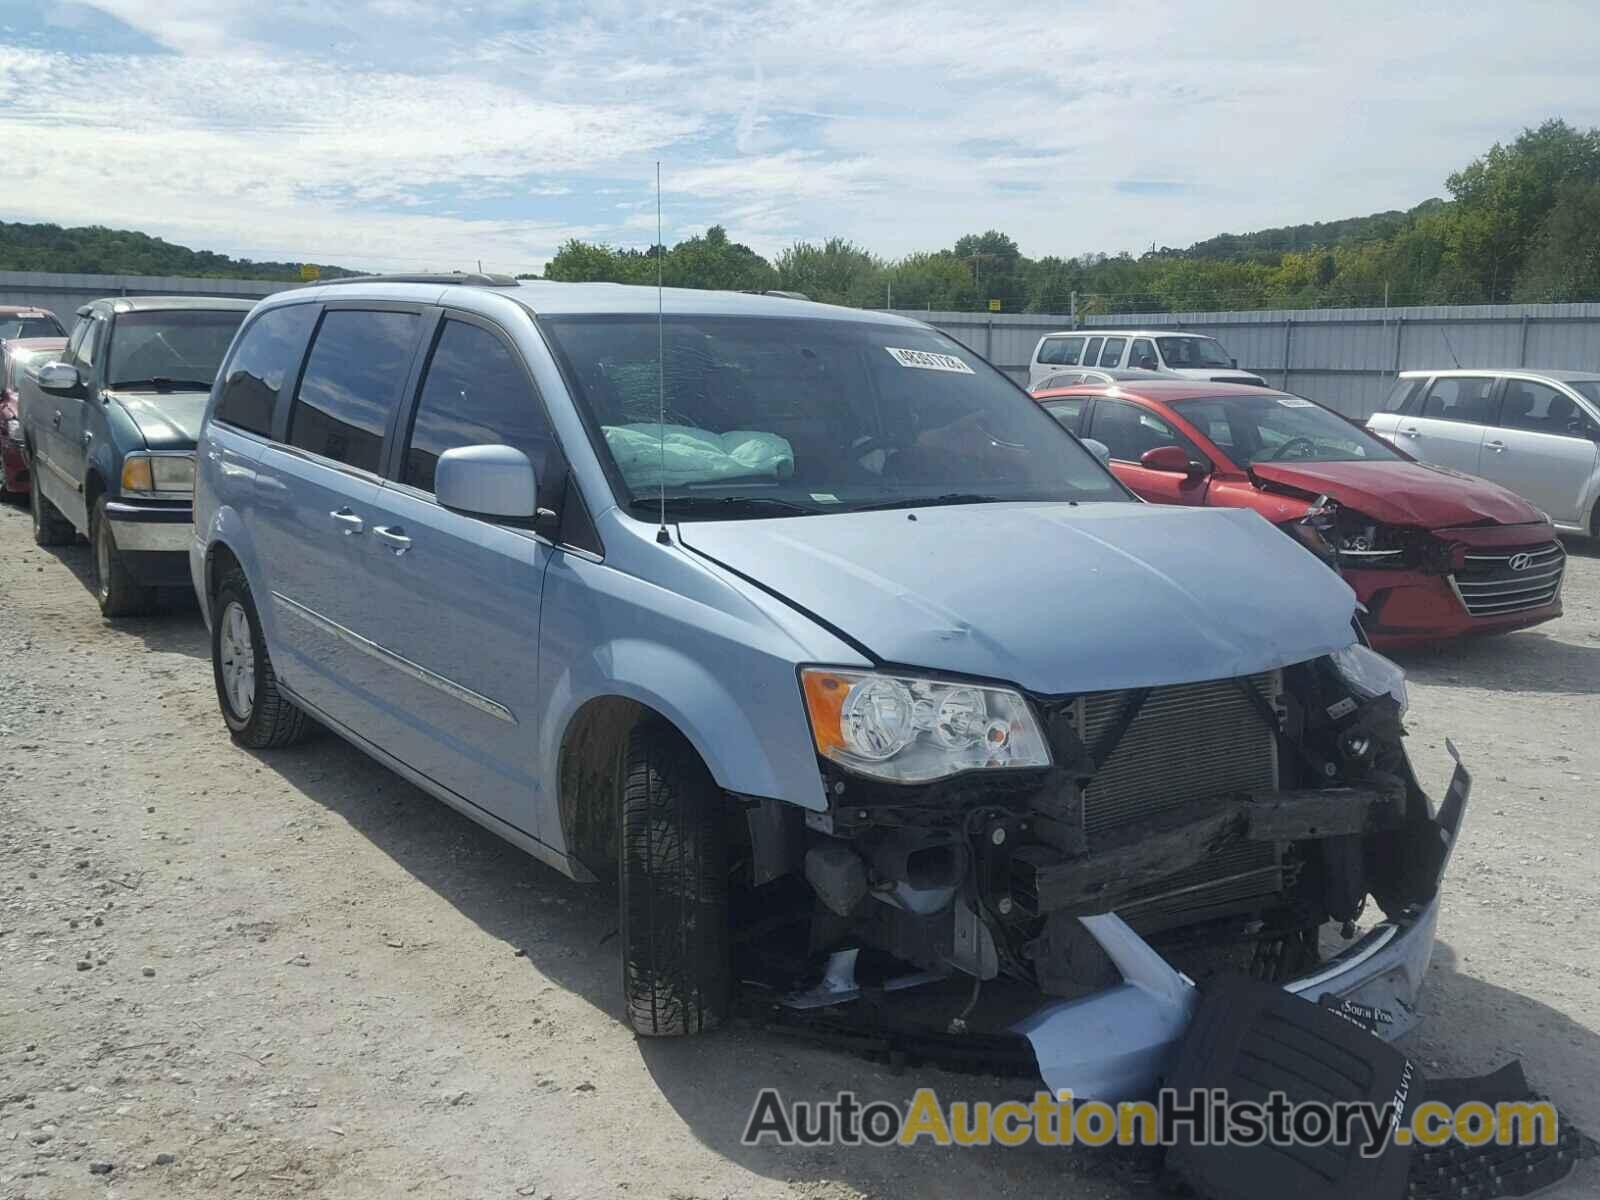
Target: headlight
[(157, 473), (1371, 674), (911, 730)]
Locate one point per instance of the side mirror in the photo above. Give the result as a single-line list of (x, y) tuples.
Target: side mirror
[(1099, 449), (487, 481), (59, 378), (1234, 363), (1172, 459)]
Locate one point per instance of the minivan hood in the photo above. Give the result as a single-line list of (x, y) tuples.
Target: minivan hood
[(1405, 493), (166, 420), (1058, 598)]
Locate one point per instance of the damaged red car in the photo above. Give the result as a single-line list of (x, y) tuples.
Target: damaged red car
[(1431, 553)]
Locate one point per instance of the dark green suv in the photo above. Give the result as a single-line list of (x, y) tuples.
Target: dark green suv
[(109, 429)]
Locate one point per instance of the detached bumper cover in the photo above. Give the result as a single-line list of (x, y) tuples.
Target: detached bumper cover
[(1119, 1043)]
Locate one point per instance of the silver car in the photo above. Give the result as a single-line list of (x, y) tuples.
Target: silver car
[(823, 641), (1535, 432)]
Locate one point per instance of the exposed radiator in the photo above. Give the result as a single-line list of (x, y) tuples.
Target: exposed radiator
[(1189, 742)]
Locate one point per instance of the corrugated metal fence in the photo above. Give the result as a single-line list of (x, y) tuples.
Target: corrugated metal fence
[(1344, 357)]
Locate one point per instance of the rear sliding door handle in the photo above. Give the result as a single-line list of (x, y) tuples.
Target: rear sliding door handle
[(348, 521), (393, 537)]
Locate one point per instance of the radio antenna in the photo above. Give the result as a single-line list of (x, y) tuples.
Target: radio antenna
[(661, 369), (1445, 333)]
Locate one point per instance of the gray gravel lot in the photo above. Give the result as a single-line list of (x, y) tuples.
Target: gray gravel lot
[(293, 974)]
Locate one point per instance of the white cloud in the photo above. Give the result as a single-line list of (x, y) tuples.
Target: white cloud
[(420, 134)]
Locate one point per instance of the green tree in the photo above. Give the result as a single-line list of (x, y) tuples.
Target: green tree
[(835, 272), (1564, 264)]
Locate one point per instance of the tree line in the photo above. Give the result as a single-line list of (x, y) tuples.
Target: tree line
[(1522, 224)]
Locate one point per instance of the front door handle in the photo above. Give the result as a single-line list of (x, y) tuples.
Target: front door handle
[(56, 420), (1412, 432), (348, 521), (392, 536), (1497, 447)]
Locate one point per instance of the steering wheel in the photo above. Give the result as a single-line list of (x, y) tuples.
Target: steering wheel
[(1283, 450)]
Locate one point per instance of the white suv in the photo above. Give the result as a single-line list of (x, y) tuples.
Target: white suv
[(1192, 355)]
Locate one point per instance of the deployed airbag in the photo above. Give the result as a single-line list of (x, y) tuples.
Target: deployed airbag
[(650, 454)]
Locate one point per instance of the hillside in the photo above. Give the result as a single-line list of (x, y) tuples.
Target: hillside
[(97, 250)]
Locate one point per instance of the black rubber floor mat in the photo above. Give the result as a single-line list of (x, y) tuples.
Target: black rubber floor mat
[(1253, 1039), (1457, 1172)]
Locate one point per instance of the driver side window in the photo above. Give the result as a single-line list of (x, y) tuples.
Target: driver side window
[(1130, 431)]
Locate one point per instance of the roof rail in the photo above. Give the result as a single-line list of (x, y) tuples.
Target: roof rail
[(474, 278), (775, 292)]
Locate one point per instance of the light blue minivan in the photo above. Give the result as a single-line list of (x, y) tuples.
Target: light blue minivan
[(810, 630)]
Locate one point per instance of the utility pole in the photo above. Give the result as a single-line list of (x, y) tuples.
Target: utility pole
[(1072, 308), (888, 294)]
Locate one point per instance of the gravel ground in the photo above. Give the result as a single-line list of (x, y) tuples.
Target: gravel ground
[(293, 974)]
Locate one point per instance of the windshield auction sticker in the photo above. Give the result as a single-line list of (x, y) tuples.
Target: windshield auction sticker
[(927, 360)]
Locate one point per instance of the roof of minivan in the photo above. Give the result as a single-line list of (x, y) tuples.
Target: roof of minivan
[(155, 303), (546, 297), (1538, 372), (1148, 333)]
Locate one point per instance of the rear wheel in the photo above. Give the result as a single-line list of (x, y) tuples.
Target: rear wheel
[(115, 588), (50, 528), (257, 713), (676, 968)]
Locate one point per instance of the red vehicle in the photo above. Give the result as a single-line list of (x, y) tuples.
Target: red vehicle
[(1430, 552), (14, 478)]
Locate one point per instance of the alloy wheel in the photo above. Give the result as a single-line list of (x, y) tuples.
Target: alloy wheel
[(238, 660)]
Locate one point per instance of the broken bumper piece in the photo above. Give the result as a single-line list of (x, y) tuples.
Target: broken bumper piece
[(1119, 1043)]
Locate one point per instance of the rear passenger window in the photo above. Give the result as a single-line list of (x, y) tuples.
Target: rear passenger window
[(1400, 396), (1462, 398), (1111, 356), (269, 350), (1061, 352), (352, 385), (1091, 351), (475, 393), (1067, 412)]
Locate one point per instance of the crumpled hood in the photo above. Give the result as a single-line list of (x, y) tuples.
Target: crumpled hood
[(166, 420), (1058, 598), (1405, 493)]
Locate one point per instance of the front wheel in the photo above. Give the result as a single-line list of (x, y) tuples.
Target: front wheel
[(114, 586), (257, 713), (676, 954)]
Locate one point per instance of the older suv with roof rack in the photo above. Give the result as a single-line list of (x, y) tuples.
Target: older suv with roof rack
[(1191, 355), (816, 635), (1534, 431), (109, 429)]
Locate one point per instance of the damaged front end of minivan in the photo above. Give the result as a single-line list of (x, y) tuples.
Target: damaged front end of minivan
[(1101, 852)]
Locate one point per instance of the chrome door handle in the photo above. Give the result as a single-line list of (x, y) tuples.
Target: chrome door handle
[(56, 420), (1412, 432), (394, 537), (1497, 447), (348, 521)]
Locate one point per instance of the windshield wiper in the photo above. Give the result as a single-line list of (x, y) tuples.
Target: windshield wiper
[(927, 501), (162, 384), (722, 506)]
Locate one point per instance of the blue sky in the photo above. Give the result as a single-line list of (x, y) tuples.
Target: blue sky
[(414, 134)]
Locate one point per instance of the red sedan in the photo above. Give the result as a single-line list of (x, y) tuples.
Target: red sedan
[(1430, 552), (14, 479)]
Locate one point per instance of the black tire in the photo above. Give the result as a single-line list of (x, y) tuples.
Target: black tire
[(272, 720), (115, 589), (50, 528), (676, 956)]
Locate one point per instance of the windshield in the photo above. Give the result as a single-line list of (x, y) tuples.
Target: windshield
[(771, 416), (1260, 429), (170, 347), (28, 327), (1185, 353)]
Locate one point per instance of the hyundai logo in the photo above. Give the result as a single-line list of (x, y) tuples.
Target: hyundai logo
[(1520, 562)]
